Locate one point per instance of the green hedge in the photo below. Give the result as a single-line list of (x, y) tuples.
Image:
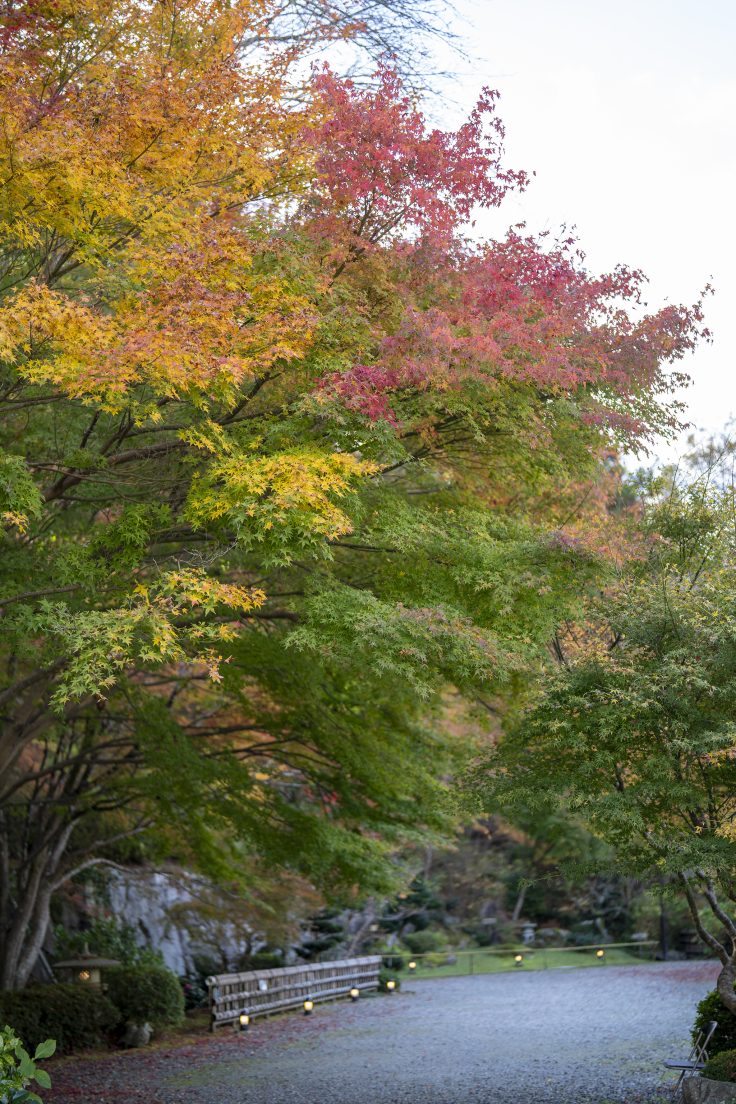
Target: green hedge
[(81, 1016), (710, 1008), (76, 1016), (146, 994), (721, 1067), (424, 942)]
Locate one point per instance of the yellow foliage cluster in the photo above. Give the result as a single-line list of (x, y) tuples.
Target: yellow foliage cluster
[(135, 137), (266, 490), (189, 587)]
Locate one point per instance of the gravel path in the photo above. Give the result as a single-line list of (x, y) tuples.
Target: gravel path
[(583, 1036)]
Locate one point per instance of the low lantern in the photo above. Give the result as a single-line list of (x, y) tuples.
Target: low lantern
[(412, 966), (244, 1021), (391, 985), (86, 969), (354, 993), (519, 959), (308, 1007), (600, 954)]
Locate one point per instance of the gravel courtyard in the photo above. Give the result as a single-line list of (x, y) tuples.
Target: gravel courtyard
[(582, 1036)]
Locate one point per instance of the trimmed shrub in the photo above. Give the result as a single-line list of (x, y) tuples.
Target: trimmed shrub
[(146, 994), (194, 984), (264, 960), (721, 1067), (483, 935), (710, 1008), (195, 992), (387, 975), (76, 1016), (424, 942), (436, 959)]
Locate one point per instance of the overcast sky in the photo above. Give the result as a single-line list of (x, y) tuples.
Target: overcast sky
[(627, 112)]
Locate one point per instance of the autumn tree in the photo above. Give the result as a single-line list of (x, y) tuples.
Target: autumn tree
[(270, 423), (409, 32), (633, 735)]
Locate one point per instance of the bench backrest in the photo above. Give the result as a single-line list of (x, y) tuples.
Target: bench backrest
[(260, 991)]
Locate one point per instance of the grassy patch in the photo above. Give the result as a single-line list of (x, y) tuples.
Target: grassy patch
[(495, 962)]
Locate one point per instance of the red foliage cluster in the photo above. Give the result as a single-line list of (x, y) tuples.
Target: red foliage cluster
[(513, 311), (382, 172), (520, 310)]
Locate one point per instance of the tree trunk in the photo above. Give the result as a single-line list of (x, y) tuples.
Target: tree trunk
[(664, 930), (20, 924), (25, 921), (725, 984), (727, 976), (518, 906), (35, 936)]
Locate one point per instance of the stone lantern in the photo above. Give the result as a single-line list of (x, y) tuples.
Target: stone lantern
[(86, 969)]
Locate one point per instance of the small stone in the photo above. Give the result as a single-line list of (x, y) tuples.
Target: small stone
[(137, 1035)]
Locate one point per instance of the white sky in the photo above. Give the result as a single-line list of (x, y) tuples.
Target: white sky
[(626, 109)]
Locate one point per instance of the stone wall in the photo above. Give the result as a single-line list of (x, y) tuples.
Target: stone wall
[(183, 915), (192, 921)]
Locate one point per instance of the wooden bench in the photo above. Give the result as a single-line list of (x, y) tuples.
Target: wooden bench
[(259, 992)]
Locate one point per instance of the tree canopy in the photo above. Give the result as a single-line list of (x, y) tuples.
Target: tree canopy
[(633, 734), (285, 457)]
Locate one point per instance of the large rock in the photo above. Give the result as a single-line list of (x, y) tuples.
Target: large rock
[(701, 1090), (199, 926), (181, 914)]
